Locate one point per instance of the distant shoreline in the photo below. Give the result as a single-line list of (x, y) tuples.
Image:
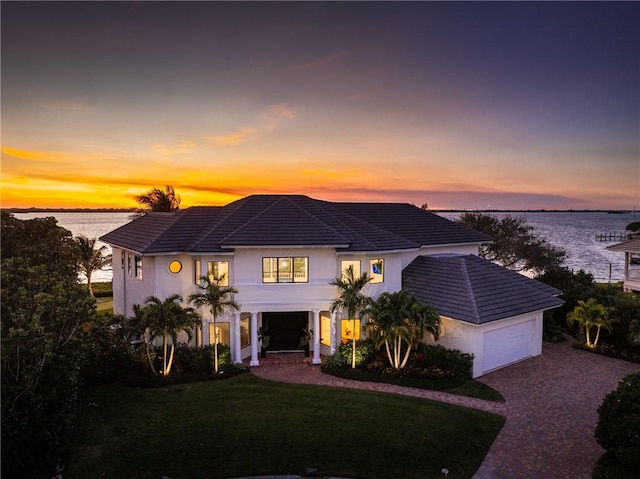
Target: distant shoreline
[(134, 210)]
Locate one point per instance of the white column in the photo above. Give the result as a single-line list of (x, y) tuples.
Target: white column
[(316, 336), (332, 339), (237, 349), (254, 340)]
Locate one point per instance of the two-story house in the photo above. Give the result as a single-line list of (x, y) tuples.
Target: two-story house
[(282, 251)]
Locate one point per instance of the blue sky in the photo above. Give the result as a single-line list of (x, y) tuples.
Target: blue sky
[(458, 105)]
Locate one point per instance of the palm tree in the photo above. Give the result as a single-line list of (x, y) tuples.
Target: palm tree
[(91, 258), (399, 318), (167, 318), (160, 200), (589, 314), (218, 298), (352, 299)]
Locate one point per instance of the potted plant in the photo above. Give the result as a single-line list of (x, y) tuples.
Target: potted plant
[(264, 337), (305, 340)]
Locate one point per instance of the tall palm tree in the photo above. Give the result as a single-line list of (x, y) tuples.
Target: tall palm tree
[(352, 299), (397, 319), (219, 299), (91, 258), (167, 319), (589, 314), (166, 200)]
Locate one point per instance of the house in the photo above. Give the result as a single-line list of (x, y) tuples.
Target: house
[(281, 252), (631, 249)]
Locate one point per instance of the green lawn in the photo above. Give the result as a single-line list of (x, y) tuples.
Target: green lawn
[(247, 426)]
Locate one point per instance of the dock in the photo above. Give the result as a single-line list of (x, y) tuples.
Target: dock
[(611, 237)]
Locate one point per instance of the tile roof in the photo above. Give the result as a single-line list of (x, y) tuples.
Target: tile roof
[(472, 289), (281, 220)]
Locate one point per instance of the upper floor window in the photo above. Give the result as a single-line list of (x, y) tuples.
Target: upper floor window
[(376, 270), (344, 266), (138, 267), (122, 259), (218, 271), (196, 271), (285, 270), (129, 263)]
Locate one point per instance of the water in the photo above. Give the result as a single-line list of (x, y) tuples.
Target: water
[(574, 232)]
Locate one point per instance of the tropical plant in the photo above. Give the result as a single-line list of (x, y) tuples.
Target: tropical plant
[(158, 200), (589, 314), (352, 299), (399, 321), (91, 258), (167, 318), (219, 299)]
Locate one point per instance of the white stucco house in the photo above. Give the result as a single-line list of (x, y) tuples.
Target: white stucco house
[(281, 252), (631, 250)]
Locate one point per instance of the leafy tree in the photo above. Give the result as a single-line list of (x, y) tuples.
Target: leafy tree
[(158, 200), (44, 313), (515, 245), (400, 321), (167, 319), (219, 299), (352, 299), (618, 428), (589, 314), (91, 258)]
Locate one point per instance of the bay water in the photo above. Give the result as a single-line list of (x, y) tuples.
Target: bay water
[(575, 232)]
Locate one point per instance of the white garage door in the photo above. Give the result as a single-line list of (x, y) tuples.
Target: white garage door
[(507, 345)]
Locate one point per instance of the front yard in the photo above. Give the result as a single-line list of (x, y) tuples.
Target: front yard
[(248, 426)]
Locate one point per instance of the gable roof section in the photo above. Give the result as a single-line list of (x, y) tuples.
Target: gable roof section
[(630, 246), (472, 289), (282, 220)]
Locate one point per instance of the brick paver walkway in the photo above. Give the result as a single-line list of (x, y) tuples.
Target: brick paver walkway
[(551, 408)]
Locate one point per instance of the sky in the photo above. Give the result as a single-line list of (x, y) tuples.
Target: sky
[(507, 105)]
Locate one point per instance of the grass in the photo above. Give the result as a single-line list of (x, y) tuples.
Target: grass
[(458, 386), (247, 426)]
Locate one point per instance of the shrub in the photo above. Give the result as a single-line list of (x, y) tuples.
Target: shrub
[(618, 428), (365, 352), (437, 356), (332, 361)]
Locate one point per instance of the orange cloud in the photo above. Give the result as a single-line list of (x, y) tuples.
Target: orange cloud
[(241, 135), (179, 149)]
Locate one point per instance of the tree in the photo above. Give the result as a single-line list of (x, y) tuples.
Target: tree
[(44, 313), (352, 299), (515, 245), (618, 428), (398, 319), (158, 200), (219, 299), (589, 314), (91, 258), (168, 318)]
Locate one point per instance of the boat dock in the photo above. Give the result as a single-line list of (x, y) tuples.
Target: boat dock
[(611, 237)]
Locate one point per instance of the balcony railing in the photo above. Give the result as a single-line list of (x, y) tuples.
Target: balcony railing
[(633, 275)]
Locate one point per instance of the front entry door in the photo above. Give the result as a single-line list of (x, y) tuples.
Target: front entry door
[(285, 329)]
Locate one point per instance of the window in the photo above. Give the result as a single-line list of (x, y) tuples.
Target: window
[(344, 265), (196, 271), (138, 267), (347, 330), (129, 263), (220, 332), (376, 270), (175, 266), (218, 271), (285, 270), (245, 335), (325, 328), (122, 259)]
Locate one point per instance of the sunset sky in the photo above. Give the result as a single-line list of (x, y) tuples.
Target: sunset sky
[(458, 105)]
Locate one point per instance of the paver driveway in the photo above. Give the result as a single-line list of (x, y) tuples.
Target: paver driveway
[(552, 403)]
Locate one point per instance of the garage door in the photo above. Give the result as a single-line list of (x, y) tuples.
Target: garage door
[(507, 345)]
